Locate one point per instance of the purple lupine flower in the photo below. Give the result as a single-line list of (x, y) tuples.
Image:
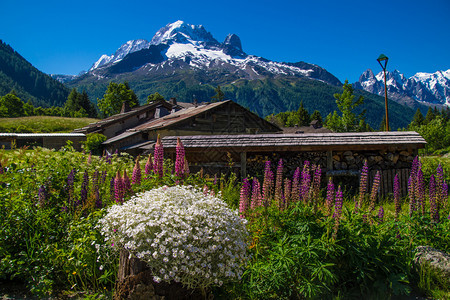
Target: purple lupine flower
[(380, 215), (375, 188), (103, 178), (295, 194), (337, 211), (330, 197), (279, 183), (136, 177), (434, 206), (338, 204), (244, 199), (149, 165), (267, 184), (316, 185), (397, 197), (305, 183), (179, 161), (84, 188), (159, 158), (215, 180), (96, 189), (118, 188), (420, 191), (363, 183), (126, 183), (412, 191), (287, 192), (256, 194), (108, 157), (42, 196)]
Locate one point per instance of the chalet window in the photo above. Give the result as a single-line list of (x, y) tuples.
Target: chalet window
[(142, 116)]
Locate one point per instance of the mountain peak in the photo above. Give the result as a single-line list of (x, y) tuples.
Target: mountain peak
[(232, 45), (182, 32)]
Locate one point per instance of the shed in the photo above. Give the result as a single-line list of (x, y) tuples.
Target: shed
[(47, 140), (339, 154)]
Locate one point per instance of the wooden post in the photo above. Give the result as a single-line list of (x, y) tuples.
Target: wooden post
[(329, 162), (243, 165)]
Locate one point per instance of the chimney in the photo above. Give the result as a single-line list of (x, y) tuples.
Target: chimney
[(125, 107), (173, 101)]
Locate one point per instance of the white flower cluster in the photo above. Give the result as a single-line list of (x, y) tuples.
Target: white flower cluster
[(183, 234)]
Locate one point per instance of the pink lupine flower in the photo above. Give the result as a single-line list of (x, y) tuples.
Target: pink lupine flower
[(159, 157), (186, 166), (149, 165), (126, 182), (89, 160), (179, 161), (256, 194), (136, 177), (316, 186), (244, 197), (330, 197), (279, 183), (305, 183), (267, 184), (118, 188)]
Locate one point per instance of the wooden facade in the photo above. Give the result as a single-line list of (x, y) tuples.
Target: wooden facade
[(46, 140), (338, 154)]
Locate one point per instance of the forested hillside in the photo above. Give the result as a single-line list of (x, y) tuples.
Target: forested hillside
[(17, 74)]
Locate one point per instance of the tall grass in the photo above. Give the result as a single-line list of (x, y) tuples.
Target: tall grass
[(42, 124)]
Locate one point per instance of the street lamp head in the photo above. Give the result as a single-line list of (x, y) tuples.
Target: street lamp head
[(383, 58)]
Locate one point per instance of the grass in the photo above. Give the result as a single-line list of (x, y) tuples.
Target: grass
[(42, 124)]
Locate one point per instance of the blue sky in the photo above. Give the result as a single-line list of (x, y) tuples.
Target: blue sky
[(344, 37)]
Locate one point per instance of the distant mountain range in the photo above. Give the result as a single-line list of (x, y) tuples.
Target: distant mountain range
[(187, 62), (17, 74), (426, 88)]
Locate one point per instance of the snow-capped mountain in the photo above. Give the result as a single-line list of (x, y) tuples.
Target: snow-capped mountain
[(183, 46), (124, 50), (426, 88)]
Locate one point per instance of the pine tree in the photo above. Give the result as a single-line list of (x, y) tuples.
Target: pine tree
[(418, 119), (219, 96), (316, 116), (429, 116)]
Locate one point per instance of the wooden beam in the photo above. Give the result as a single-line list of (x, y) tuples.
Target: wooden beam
[(243, 164)]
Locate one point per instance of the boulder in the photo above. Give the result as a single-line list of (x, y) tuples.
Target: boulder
[(437, 260)]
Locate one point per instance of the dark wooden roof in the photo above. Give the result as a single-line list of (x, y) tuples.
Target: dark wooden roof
[(299, 142), (121, 116)]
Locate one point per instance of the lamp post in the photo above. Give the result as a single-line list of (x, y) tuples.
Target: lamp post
[(384, 58)]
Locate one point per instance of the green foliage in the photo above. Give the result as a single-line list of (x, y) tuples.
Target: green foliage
[(418, 119), (78, 105), (219, 96), (28, 82), (116, 94), (11, 106), (436, 132), (94, 142), (154, 97), (348, 121)]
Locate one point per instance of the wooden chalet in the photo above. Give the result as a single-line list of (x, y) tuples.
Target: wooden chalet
[(338, 154), (128, 118), (225, 117)]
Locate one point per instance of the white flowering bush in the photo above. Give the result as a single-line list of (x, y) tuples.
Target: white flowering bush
[(183, 234)]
